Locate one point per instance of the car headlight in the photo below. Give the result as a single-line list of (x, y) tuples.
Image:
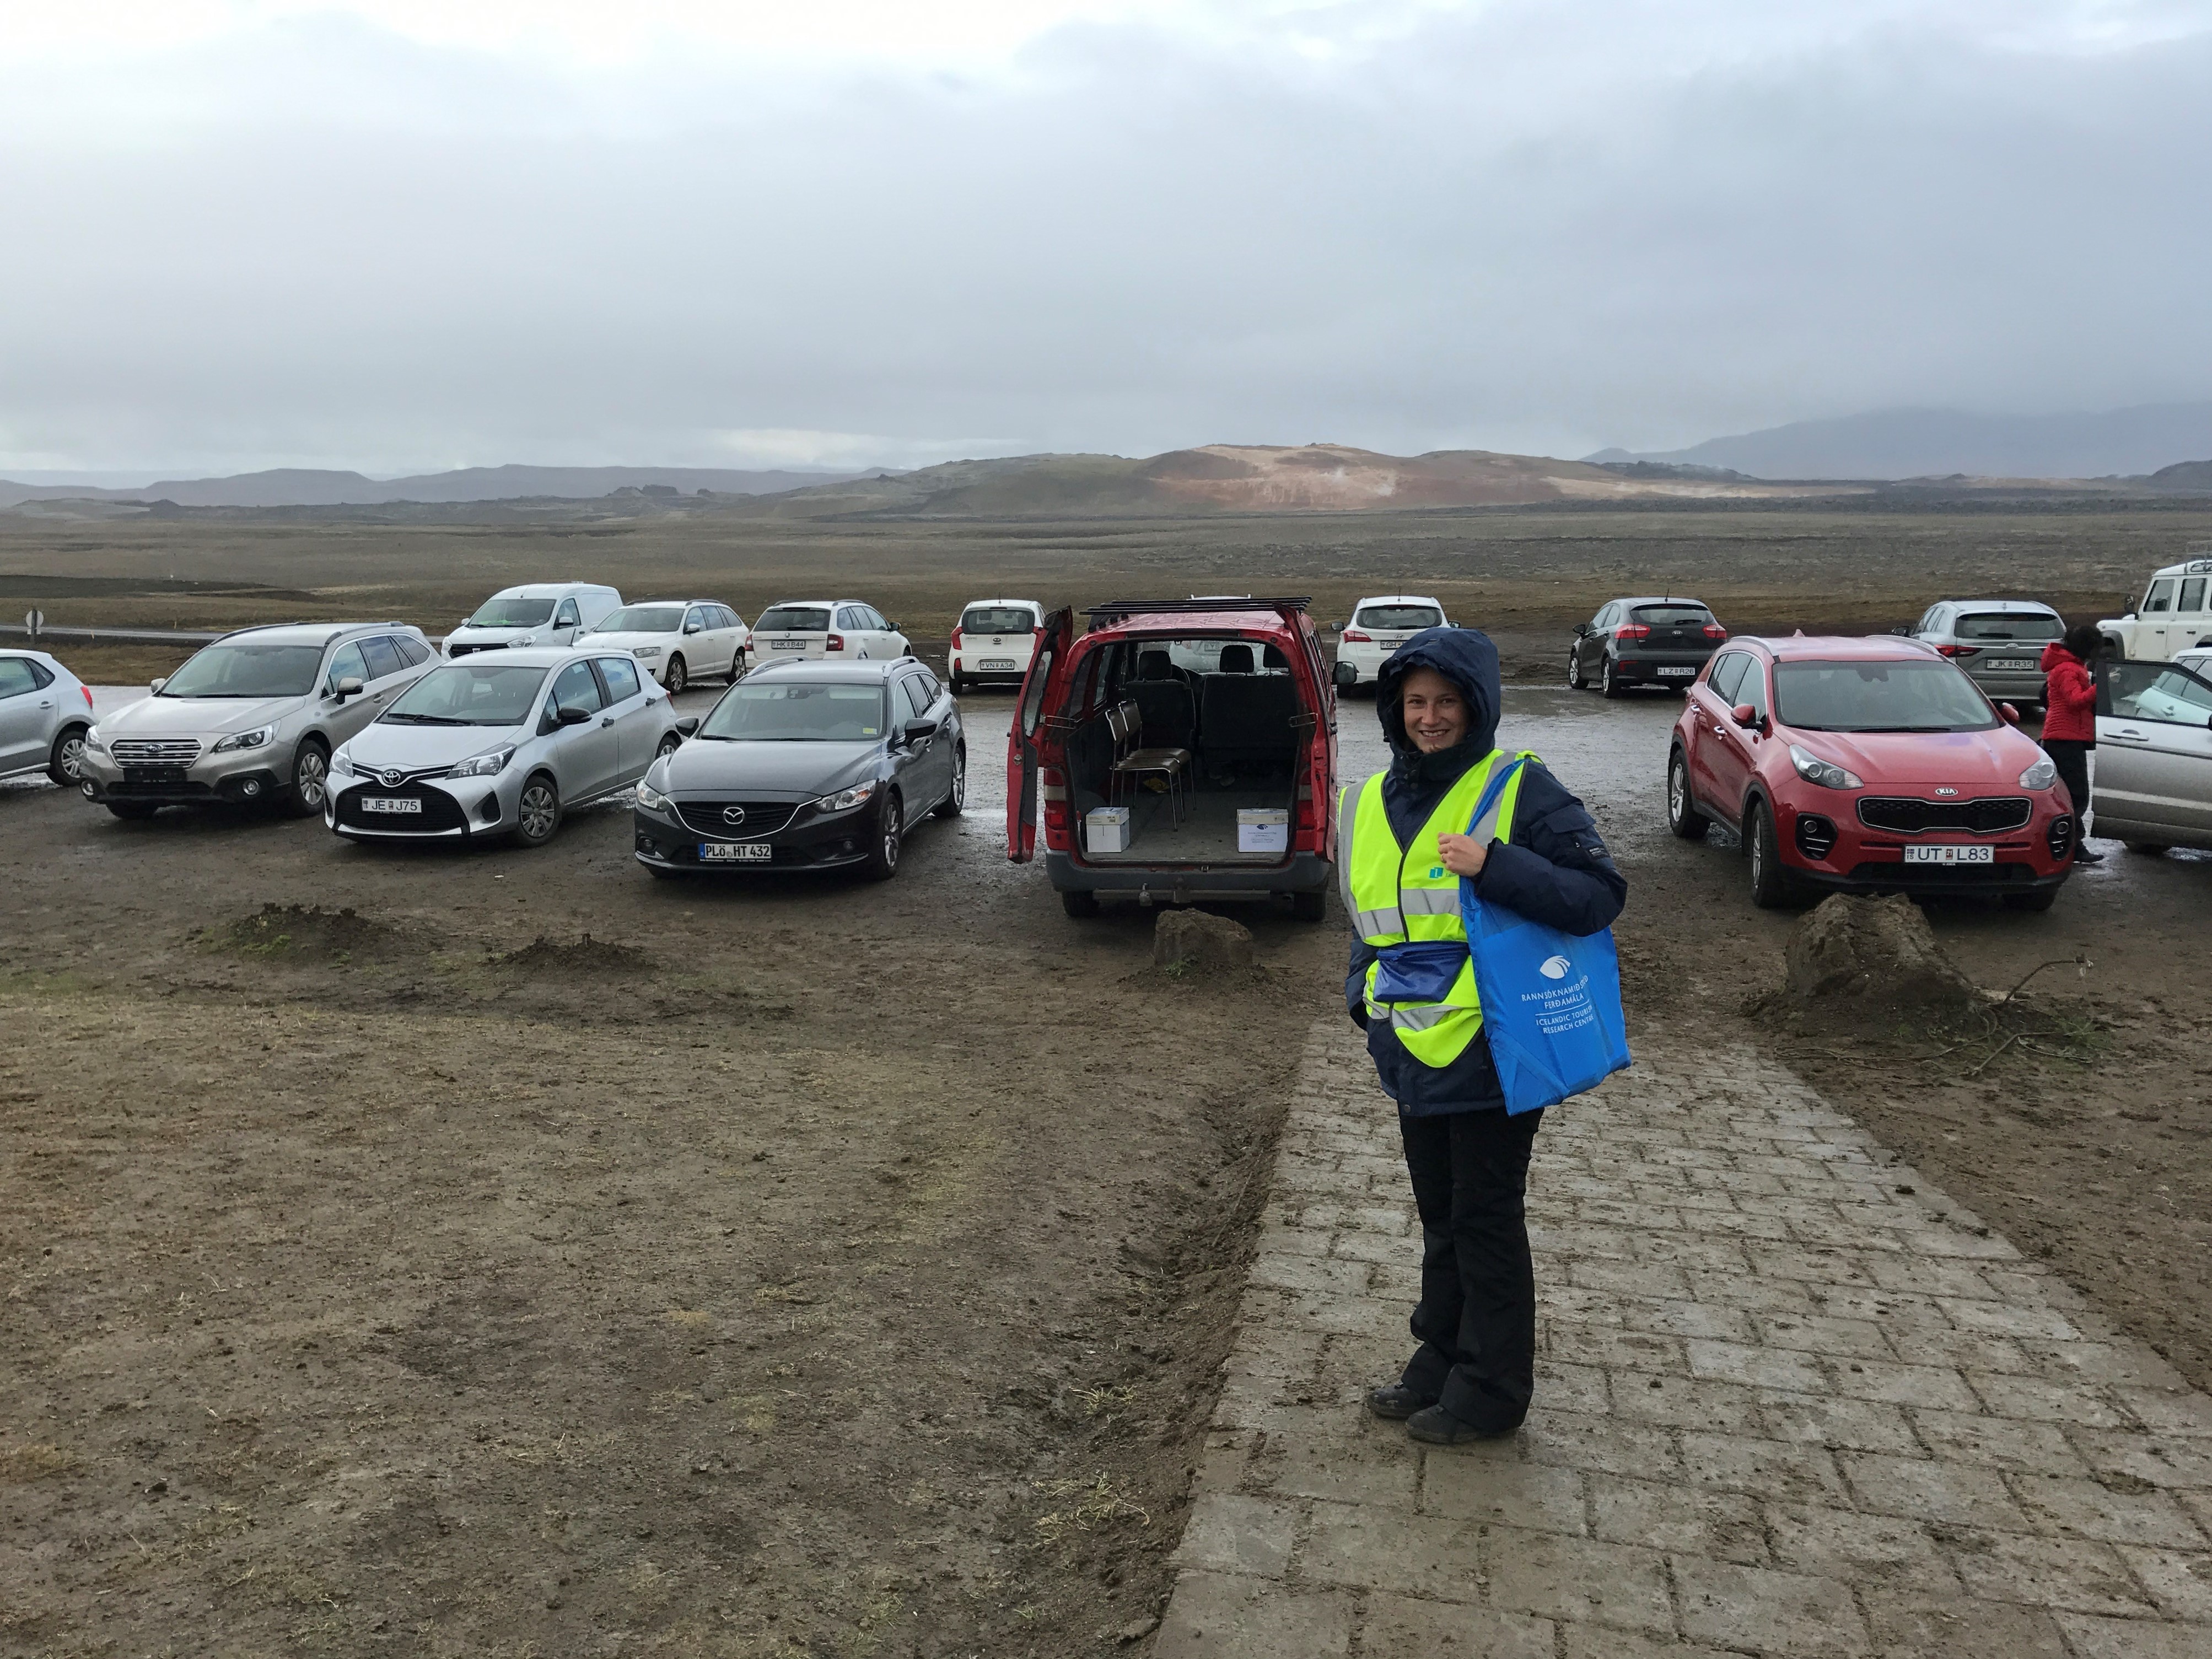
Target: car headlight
[(2041, 776), (645, 651), (342, 761), (845, 799), (256, 739), (527, 639), (94, 741), (489, 764), (1829, 775), (651, 798)]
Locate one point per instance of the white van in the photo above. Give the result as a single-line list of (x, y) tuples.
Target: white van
[(536, 613), (993, 643), (2174, 614)]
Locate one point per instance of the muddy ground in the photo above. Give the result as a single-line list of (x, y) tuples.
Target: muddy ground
[(543, 1258)]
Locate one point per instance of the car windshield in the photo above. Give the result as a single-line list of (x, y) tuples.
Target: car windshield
[(511, 611), (247, 670), (794, 619), (753, 712), (644, 619), (2009, 625), (1401, 618), (997, 619), (1672, 616), (469, 693), (1878, 696)]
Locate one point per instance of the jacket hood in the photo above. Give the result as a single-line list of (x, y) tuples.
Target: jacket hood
[(2053, 654), (1464, 656)]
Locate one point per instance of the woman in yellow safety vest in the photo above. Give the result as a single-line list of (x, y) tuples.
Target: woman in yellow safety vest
[(1402, 851)]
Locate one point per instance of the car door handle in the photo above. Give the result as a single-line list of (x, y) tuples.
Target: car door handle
[(2131, 737), (606, 720)]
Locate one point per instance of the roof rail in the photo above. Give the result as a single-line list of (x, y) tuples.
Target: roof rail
[(1119, 610)]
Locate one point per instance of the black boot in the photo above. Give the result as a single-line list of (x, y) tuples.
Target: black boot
[(1438, 1427), (2085, 854), (1395, 1402)]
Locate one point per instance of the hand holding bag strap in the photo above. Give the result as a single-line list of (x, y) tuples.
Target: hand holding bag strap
[(1482, 827)]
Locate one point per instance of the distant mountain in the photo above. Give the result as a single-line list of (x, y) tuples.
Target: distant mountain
[(305, 487), (1916, 443), (1241, 478), (2183, 474)]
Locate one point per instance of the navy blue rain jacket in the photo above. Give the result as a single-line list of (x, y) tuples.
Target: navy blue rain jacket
[(1555, 869)]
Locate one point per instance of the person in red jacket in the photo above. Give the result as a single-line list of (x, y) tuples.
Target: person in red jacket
[(2069, 722)]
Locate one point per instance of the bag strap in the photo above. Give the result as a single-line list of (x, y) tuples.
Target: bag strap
[(1483, 826)]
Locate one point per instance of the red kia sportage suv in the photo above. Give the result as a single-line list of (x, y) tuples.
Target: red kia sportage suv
[(1867, 766)]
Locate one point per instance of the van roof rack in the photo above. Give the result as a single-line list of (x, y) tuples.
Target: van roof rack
[(1120, 610)]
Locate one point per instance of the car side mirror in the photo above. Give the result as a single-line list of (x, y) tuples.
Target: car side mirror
[(348, 687), (691, 628), (155, 688), (1744, 714), (689, 726), (573, 716), (1582, 630), (1903, 632), (2010, 713), (915, 731)]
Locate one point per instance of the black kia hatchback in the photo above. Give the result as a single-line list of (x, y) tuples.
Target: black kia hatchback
[(807, 766), (1649, 641)]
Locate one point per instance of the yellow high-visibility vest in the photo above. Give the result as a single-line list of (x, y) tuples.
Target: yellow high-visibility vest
[(1396, 894)]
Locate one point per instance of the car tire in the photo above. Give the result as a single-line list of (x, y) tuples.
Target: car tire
[(310, 788), (537, 812), (133, 811), (883, 861), (956, 802), (1576, 679), (1308, 907), (959, 685), (1081, 906), (2149, 849), (670, 742), (1610, 684), (2040, 900), (1682, 815), (1772, 887), (679, 678), (65, 763)]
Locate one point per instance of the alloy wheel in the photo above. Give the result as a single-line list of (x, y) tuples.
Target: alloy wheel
[(68, 760), (310, 778), (539, 810), (678, 676)]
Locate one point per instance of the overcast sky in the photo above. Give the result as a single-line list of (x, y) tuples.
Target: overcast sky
[(405, 234)]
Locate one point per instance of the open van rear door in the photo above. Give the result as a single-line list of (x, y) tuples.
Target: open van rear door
[(1055, 637)]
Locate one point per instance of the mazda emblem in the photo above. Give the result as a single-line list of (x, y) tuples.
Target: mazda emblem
[(392, 777), (734, 814)]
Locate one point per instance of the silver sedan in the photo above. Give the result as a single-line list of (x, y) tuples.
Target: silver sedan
[(502, 744)]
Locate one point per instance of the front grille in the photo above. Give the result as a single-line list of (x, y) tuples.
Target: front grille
[(155, 751), (466, 650), (1816, 835), (762, 818), (440, 812), (1905, 815)]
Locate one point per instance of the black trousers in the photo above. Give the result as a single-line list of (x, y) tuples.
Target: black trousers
[(1476, 1320), (2072, 757)]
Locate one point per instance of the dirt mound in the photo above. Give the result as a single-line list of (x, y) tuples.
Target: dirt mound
[(1855, 957), (305, 932), (1192, 938), (590, 957)]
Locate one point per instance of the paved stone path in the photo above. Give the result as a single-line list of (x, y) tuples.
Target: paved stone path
[(1790, 1400)]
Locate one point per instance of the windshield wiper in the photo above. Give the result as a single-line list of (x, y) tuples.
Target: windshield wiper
[(426, 719)]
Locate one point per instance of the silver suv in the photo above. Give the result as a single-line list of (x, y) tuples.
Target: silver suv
[(1999, 643), (252, 718)]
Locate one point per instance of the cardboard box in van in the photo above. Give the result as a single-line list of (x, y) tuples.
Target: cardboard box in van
[(1106, 829)]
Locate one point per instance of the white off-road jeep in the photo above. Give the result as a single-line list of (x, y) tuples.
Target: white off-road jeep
[(2174, 614)]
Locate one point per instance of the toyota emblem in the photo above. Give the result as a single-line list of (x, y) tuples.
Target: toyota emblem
[(392, 777), (734, 814)]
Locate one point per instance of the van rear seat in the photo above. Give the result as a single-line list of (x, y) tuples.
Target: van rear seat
[(1244, 718)]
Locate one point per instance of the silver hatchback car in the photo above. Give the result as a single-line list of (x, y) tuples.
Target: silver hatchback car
[(250, 719), (502, 744), (45, 712), (1999, 643)]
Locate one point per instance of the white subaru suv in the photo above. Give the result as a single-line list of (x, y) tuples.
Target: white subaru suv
[(1379, 625), (2174, 614)]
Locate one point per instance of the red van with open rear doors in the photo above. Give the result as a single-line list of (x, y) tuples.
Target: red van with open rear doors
[(1181, 749)]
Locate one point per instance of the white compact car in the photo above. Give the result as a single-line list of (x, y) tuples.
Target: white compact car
[(1380, 625), (677, 641), (2174, 614), (2152, 786), (45, 712), (536, 613), (993, 643), (846, 628), (502, 744)]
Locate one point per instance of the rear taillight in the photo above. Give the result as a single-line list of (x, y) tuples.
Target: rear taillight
[(1632, 631), (1358, 636), (1052, 786), (836, 643), (956, 639), (1715, 631), (87, 695), (1956, 650)]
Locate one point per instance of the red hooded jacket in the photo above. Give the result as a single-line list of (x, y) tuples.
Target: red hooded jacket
[(2070, 696)]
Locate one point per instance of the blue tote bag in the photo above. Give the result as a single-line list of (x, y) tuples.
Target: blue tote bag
[(1550, 1001)]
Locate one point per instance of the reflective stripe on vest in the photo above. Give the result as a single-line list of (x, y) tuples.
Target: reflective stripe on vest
[(1396, 894)]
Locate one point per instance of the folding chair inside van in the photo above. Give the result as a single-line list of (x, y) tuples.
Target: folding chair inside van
[(1132, 763)]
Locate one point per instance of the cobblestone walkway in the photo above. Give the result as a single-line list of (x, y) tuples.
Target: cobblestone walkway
[(1790, 1400)]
